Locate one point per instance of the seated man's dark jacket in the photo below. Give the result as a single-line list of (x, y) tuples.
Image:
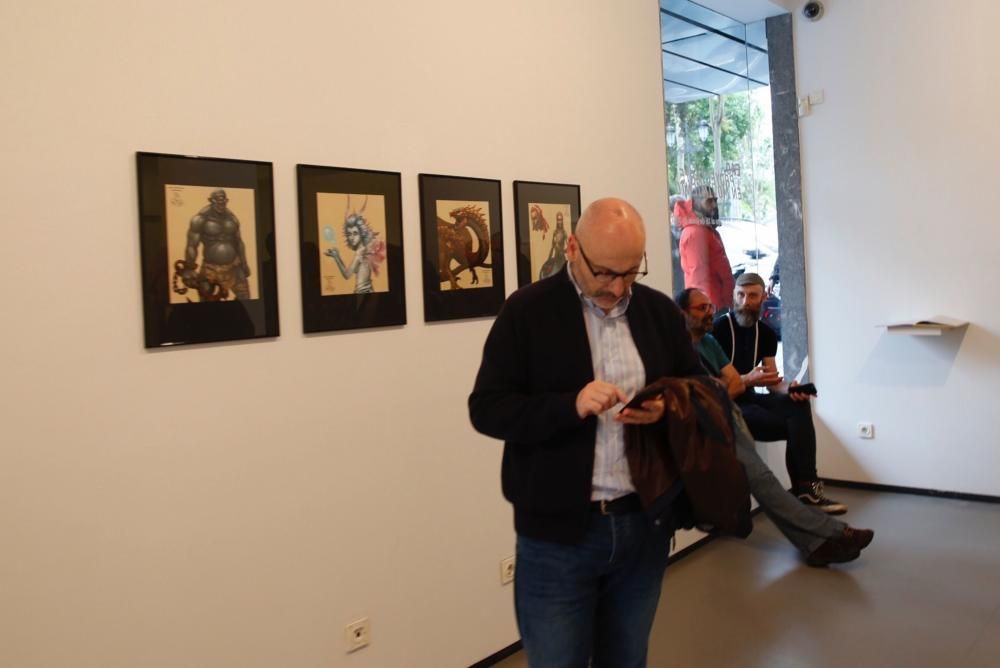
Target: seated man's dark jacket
[(536, 360)]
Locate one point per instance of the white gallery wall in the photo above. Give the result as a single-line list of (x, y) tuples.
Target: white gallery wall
[(237, 504), (899, 169)]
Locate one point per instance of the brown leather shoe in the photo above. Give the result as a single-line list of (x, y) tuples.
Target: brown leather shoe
[(841, 549), (859, 538)]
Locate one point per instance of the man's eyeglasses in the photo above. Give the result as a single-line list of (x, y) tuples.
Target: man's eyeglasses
[(703, 308), (605, 277)]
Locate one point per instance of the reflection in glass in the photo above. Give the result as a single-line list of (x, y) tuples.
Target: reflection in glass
[(720, 150)]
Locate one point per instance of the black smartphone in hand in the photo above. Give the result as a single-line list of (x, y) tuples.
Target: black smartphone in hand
[(807, 388)]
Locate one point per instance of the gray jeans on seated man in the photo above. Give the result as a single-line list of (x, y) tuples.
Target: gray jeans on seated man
[(807, 528)]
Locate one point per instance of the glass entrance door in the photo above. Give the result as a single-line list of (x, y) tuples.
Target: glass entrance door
[(720, 153)]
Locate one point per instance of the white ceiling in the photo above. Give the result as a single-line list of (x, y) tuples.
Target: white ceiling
[(748, 11)]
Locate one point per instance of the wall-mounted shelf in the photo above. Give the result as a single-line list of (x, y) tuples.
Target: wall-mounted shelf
[(935, 326)]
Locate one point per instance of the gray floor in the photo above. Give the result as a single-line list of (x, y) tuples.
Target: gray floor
[(925, 593)]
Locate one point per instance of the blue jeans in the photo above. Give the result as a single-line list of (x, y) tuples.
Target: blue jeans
[(591, 603)]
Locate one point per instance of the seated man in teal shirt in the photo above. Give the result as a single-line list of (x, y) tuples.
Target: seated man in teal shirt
[(821, 539)]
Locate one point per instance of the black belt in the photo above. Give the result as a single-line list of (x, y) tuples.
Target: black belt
[(623, 504)]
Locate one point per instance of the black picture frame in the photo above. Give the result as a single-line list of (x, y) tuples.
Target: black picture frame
[(373, 293), (464, 292), (203, 302), (547, 200)]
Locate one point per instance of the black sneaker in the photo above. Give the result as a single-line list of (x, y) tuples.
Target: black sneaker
[(812, 495)]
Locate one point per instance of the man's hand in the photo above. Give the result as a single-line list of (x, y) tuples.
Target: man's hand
[(796, 396), (598, 396), (761, 376), (651, 411)]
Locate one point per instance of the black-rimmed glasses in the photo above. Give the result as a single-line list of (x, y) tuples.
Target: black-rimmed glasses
[(603, 276)]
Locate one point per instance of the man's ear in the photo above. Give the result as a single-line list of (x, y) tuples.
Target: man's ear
[(571, 247)]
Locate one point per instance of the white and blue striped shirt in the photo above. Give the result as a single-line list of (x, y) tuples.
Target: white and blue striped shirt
[(616, 360)]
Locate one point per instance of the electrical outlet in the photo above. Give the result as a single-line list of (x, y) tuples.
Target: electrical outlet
[(358, 634), (866, 430), (506, 570)]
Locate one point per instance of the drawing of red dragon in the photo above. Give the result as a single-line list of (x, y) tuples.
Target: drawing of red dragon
[(465, 242)]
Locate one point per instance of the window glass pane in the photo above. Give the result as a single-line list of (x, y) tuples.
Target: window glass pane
[(696, 15), (757, 35), (708, 49), (719, 150)]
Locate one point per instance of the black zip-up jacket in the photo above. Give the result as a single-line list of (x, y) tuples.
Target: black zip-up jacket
[(535, 361)]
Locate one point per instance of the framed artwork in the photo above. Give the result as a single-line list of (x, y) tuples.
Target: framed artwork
[(462, 238), (351, 235), (206, 228), (545, 215)]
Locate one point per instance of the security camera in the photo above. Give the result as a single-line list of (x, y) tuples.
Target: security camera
[(813, 11)]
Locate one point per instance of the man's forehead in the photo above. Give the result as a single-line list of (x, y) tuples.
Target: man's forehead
[(620, 258), (698, 298)]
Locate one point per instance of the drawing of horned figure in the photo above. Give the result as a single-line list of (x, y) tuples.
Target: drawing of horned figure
[(224, 270), (465, 242), (369, 250)]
